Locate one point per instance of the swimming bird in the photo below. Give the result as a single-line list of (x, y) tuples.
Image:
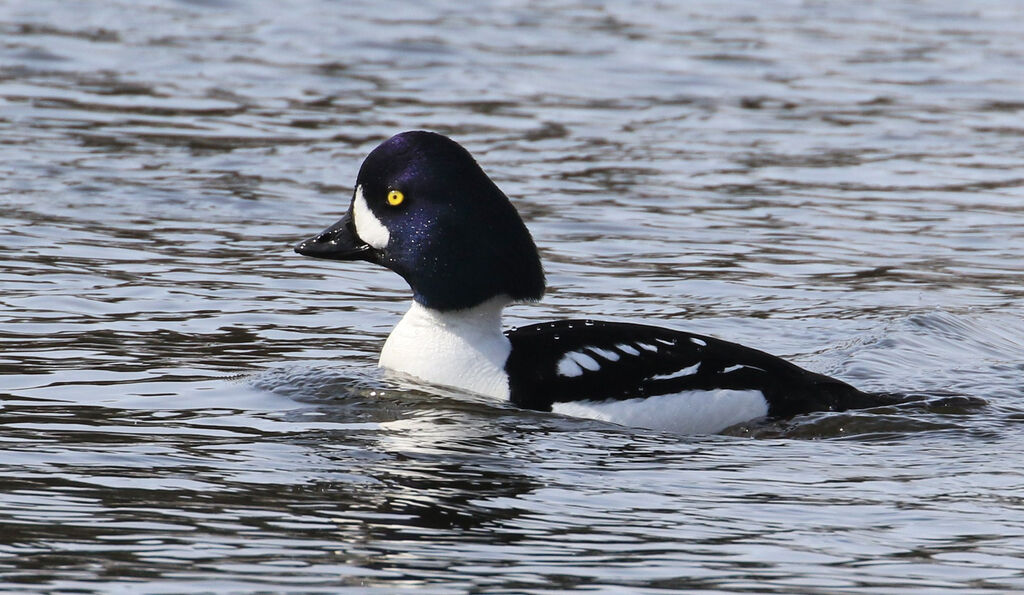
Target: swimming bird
[(425, 209)]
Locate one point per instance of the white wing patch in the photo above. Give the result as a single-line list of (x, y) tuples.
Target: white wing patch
[(368, 226), (569, 368), (646, 346), (697, 341), (687, 412), (573, 363), (584, 360), (627, 349), (605, 353), (740, 367), (688, 371)]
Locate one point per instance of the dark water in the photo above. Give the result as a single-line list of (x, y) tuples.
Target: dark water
[(189, 407)]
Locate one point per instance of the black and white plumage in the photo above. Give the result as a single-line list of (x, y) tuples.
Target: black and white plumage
[(423, 208)]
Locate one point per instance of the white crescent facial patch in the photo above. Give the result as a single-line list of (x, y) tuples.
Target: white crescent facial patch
[(368, 226)]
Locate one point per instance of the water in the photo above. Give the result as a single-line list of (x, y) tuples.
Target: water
[(189, 407)]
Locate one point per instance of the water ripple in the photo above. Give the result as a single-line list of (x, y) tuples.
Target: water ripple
[(187, 406)]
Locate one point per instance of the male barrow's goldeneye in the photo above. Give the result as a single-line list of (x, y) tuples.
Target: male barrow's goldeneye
[(423, 208)]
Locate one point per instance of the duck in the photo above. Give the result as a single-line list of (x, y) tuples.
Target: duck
[(424, 208)]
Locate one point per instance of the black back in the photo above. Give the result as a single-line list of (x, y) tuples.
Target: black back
[(537, 350)]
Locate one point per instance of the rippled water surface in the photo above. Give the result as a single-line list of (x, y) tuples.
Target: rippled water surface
[(187, 406)]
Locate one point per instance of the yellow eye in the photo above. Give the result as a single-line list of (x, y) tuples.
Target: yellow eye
[(395, 198)]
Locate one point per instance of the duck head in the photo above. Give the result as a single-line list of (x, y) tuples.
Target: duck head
[(423, 208)]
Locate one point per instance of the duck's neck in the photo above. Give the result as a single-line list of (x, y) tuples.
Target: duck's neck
[(464, 349)]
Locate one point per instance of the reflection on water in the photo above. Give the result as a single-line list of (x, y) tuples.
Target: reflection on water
[(187, 406)]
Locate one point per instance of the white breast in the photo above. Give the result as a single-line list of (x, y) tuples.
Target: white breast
[(687, 412), (463, 349)]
